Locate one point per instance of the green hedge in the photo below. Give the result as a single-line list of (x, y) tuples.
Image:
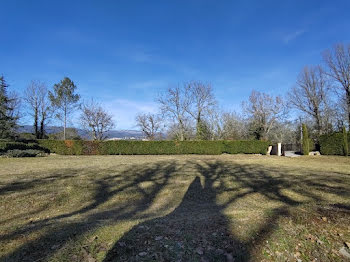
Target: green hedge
[(79, 147), (246, 147), (333, 144)]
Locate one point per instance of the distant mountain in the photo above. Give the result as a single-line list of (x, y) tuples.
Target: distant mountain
[(120, 134)]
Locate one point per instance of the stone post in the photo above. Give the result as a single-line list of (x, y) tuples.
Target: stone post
[(279, 149)]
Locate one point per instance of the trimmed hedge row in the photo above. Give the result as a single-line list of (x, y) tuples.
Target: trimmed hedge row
[(333, 144), (79, 147)]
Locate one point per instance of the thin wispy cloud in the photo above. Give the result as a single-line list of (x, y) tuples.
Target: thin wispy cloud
[(292, 36)]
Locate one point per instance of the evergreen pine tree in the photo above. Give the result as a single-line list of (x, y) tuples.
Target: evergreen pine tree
[(7, 122)]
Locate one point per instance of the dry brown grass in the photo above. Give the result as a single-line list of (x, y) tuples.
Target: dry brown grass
[(174, 208)]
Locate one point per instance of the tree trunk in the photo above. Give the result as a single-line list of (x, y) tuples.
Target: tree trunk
[(42, 127), (65, 122), (36, 129), (348, 106)]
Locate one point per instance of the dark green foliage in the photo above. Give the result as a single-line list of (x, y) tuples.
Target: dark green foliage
[(345, 142), (63, 147), (306, 141), (203, 131), (333, 144), (246, 147), (24, 153), (6, 147), (70, 147), (7, 122)]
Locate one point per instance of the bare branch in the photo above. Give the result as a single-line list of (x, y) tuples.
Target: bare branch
[(95, 119)]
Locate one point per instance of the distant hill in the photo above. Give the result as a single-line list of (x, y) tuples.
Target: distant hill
[(121, 134)]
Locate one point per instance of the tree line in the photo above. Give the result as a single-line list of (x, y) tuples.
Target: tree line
[(320, 96), (190, 111), (44, 105)]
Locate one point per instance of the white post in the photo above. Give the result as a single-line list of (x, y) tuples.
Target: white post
[(279, 149)]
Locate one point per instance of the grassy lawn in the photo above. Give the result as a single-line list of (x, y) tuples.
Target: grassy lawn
[(174, 208)]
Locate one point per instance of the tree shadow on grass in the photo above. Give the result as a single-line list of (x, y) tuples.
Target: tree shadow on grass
[(197, 230), (64, 227)]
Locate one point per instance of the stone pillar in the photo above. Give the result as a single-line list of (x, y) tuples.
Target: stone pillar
[(279, 149), (269, 150)]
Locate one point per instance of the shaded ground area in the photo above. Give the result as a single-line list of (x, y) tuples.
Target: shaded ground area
[(174, 208)]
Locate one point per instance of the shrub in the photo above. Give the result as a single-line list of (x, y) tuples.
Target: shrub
[(306, 141), (6, 146), (333, 144), (24, 153), (154, 147)]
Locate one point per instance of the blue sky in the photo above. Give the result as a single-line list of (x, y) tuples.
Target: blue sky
[(123, 53)]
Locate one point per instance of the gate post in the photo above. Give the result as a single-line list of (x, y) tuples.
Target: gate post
[(279, 149)]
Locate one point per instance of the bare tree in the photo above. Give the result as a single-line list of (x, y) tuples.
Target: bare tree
[(310, 95), (284, 132), (36, 97), (233, 126), (175, 132), (173, 104), (264, 111), (150, 124), (338, 62), (201, 103), (95, 119)]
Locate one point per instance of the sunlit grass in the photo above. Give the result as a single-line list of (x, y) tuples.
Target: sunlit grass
[(209, 208)]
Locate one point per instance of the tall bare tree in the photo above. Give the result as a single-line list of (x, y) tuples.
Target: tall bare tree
[(310, 96), (150, 125), (264, 111), (201, 103), (173, 104), (338, 62), (36, 97), (95, 119)]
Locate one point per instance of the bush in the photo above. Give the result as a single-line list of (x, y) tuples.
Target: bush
[(20, 149), (306, 141), (6, 146), (333, 144), (24, 153), (70, 147)]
